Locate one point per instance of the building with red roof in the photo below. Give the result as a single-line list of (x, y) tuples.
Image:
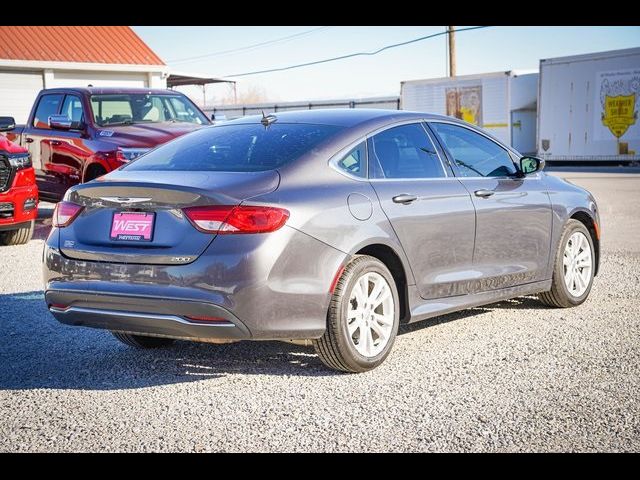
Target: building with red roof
[(37, 57)]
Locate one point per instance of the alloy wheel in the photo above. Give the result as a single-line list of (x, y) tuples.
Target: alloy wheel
[(577, 264), (370, 314)]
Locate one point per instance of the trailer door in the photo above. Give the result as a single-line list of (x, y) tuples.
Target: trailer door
[(523, 131)]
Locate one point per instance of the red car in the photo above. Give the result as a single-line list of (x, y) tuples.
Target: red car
[(18, 190)]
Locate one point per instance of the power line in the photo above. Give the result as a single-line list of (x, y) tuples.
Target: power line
[(351, 55), (248, 47)]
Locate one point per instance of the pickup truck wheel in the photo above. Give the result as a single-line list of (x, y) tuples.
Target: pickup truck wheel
[(93, 172), (17, 237), (140, 341)]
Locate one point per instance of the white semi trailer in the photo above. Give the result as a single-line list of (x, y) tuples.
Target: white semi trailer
[(588, 107), (503, 103)]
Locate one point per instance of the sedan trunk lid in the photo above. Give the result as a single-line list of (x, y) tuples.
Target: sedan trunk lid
[(127, 201)]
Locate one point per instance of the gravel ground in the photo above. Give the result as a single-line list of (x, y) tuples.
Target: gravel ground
[(513, 376)]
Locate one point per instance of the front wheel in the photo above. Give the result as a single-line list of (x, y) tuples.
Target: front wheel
[(574, 268), (18, 236), (363, 318)]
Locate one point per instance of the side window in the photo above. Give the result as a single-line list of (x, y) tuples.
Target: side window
[(47, 106), (355, 162), (404, 152), (72, 108), (475, 155)]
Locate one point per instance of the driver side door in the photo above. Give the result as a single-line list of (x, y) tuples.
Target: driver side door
[(513, 213), (69, 151)]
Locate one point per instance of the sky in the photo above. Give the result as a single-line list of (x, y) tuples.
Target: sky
[(222, 53)]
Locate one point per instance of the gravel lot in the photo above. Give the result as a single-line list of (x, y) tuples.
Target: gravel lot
[(512, 376)]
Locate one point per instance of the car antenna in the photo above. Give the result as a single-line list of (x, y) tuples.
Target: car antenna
[(267, 120)]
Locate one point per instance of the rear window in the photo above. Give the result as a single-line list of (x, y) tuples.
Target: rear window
[(236, 148)]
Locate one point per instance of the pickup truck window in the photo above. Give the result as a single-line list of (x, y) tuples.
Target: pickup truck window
[(126, 109), (72, 108), (47, 106)]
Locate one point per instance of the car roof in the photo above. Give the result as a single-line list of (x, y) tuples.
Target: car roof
[(344, 117), (110, 90), (358, 121)]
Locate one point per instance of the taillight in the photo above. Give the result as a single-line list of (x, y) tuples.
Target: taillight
[(240, 219), (65, 213)]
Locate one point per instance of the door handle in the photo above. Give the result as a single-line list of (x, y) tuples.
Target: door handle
[(484, 193), (404, 198), (28, 140), (55, 143)]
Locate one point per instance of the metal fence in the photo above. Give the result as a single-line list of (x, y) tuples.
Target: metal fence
[(236, 111)]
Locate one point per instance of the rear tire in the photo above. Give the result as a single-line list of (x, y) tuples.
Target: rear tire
[(19, 236), (363, 318), (561, 295), (141, 341)]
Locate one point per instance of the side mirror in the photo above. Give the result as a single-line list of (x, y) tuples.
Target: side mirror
[(62, 122), (7, 124), (531, 165)]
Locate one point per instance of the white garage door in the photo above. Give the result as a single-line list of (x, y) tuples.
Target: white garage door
[(18, 91), (98, 79)]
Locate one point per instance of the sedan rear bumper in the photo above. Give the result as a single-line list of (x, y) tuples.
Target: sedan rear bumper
[(272, 286), (174, 318)]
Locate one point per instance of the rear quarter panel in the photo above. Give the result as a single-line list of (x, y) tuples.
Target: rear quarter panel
[(333, 208)]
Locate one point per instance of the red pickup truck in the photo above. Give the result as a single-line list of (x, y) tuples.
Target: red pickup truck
[(18, 190), (77, 134)]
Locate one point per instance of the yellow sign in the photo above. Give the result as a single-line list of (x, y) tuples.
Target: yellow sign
[(619, 113), (468, 115), (465, 103)]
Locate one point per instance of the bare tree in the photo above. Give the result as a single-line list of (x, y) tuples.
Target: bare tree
[(245, 94)]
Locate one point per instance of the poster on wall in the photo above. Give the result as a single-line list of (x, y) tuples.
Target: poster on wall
[(616, 112), (465, 103)]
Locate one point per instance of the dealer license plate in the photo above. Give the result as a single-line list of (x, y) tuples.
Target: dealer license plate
[(132, 226)]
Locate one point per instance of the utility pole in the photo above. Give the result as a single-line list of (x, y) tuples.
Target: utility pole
[(452, 52)]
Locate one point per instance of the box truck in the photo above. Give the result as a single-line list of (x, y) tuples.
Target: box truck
[(503, 103), (588, 107)]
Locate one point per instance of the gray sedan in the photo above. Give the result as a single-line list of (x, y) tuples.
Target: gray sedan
[(330, 227)]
